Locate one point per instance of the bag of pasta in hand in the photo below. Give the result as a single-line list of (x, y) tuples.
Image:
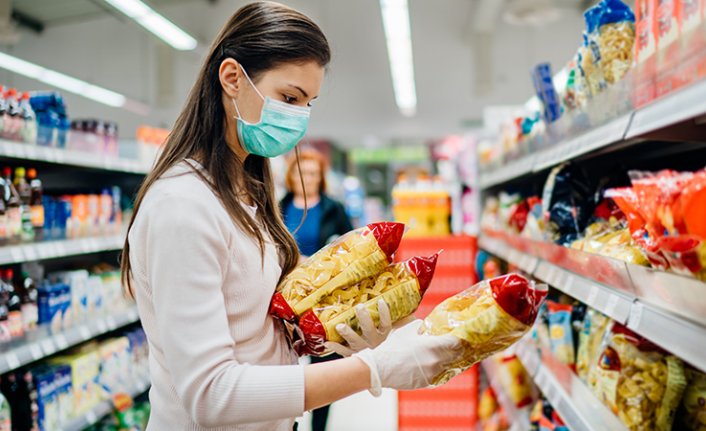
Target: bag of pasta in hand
[(351, 258), (487, 318), (400, 286)]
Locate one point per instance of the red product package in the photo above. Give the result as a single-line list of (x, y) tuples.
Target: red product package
[(645, 52), (668, 46), (401, 286), (351, 258), (693, 39)]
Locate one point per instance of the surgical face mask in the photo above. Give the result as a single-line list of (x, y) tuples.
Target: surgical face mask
[(280, 128)]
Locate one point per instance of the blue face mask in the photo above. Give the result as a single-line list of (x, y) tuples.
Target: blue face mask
[(280, 128)]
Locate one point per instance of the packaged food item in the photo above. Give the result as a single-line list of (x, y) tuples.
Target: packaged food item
[(595, 325), (487, 317), (692, 38), (589, 65), (488, 404), (611, 34), (641, 383), (561, 336), (645, 53), (350, 259), (667, 32), (400, 285), (547, 94), (692, 414), (516, 381)]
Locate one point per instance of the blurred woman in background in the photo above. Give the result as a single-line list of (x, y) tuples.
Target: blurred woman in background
[(325, 220)]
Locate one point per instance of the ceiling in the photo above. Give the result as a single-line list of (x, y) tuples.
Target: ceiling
[(88, 39)]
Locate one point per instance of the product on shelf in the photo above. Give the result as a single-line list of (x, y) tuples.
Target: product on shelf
[(5, 411), (645, 52), (401, 286), (487, 318), (13, 204), (35, 204), (561, 336), (640, 382), (95, 136), (595, 325), (515, 381), (692, 413), (543, 417), (547, 94), (350, 259), (14, 304), (424, 205), (150, 140), (611, 31), (52, 121), (667, 36)]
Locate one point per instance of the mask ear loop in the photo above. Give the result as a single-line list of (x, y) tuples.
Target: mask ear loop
[(301, 179)]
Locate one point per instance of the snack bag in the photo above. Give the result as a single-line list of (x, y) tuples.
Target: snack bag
[(351, 258), (641, 383), (692, 415), (487, 317), (401, 286), (561, 337)]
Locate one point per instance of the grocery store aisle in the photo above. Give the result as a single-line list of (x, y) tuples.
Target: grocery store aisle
[(361, 412)]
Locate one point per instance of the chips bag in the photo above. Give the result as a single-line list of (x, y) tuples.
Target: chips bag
[(351, 258), (400, 285), (487, 317), (641, 383)]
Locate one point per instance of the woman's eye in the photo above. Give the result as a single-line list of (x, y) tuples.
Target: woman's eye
[(290, 99)]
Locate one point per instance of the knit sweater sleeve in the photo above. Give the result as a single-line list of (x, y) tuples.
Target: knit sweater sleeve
[(187, 254)]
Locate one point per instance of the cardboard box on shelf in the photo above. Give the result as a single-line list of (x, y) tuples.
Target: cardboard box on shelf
[(645, 52), (692, 23), (667, 33)]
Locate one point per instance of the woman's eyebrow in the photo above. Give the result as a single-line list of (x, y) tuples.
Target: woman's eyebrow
[(301, 90)]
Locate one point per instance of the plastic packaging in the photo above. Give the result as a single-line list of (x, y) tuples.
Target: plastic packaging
[(611, 34), (561, 336), (350, 259), (692, 415), (401, 286), (641, 383), (487, 317)]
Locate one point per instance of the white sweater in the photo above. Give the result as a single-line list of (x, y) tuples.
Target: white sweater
[(218, 361)]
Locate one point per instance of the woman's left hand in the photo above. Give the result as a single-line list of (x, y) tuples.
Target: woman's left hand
[(371, 336)]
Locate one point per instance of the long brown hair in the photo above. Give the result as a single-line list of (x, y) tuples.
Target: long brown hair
[(260, 36)]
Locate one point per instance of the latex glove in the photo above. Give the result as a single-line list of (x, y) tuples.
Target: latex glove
[(371, 336), (409, 360)]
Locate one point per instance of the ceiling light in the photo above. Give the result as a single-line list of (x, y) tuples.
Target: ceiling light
[(395, 21), (62, 81), (155, 23)]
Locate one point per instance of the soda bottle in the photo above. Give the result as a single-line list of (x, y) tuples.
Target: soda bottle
[(36, 204), (25, 192), (14, 305), (13, 203), (29, 297), (29, 126), (14, 112)]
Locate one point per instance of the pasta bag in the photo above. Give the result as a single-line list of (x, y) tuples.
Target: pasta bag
[(401, 286), (352, 257), (487, 317)]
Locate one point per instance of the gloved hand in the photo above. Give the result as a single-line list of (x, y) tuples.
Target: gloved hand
[(372, 336), (409, 360)]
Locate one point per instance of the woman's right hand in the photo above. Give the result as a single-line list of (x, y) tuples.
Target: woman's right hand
[(409, 360)]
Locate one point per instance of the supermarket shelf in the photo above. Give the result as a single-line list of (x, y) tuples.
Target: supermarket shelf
[(519, 418), (682, 105), (102, 410), (55, 249), (654, 304), (20, 151), (43, 342), (575, 403)]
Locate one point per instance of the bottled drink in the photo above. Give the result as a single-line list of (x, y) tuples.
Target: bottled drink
[(3, 214), (4, 116), (29, 297), (29, 126), (13, 203), (25, 192), (5, 422), (14, 305), (4, 315), (13, 126), (36, 204)]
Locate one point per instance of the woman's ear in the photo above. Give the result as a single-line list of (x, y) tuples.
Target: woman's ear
[(230, 76)]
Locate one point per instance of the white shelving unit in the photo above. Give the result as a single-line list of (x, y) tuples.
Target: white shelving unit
[(682, 105), (56, 249), (59, 156), (42, 342)]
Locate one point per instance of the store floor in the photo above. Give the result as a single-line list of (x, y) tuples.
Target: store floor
[(360, 412)]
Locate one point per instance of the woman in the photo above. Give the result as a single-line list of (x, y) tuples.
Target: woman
[(325, 219), (206, 245)]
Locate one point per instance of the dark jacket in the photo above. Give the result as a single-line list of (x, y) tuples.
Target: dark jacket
[(334, 220)]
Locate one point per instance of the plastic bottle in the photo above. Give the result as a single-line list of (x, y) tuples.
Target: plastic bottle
[(25, 192), (29, 126), (15, 115), (4, 315), (29, 297), (14, 305), (14, 215), (5, 120), (3, 214), (36, 205)]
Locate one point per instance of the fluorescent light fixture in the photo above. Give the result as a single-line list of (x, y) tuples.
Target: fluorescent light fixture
[(395, 21), (155, 23), (60, 80)]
